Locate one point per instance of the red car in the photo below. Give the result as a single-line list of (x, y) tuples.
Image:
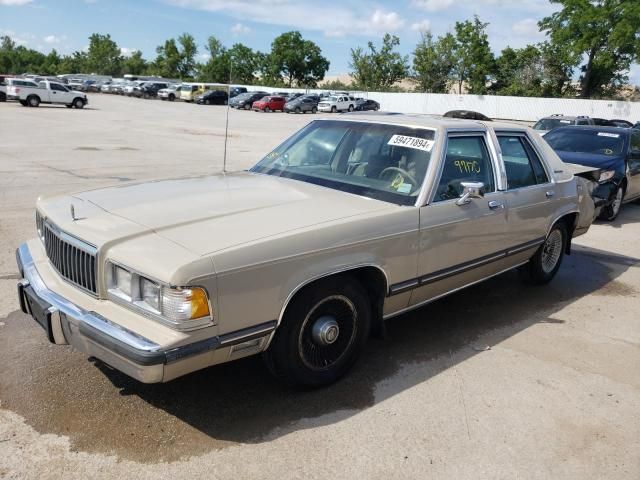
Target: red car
[(269, 104)]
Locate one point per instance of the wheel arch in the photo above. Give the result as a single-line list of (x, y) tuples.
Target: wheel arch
[(570, 222), (370, 276)]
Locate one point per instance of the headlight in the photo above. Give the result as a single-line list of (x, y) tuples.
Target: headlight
[(40, 226), (182, 308), (606, 175)]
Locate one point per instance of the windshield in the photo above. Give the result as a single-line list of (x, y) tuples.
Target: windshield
[(585, 141), (332, 99), (551, 123), (385, 162)]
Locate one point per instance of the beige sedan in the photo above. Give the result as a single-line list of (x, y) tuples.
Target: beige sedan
[(349, 222)]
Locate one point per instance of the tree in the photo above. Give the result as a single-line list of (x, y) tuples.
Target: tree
[(605, 32), (134, 64), (103, 56), (168, 59), (296, 60), (434, 62), (558, 65), (519, 72), (475, 62), (216, 69), (379, 69), (188, 50), (74, 63), (245, 63)]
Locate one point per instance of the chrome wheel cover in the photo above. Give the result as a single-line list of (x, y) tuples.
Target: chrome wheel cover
[(328, 332), (551, 251)]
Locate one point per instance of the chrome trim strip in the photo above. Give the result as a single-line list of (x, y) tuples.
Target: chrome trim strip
[(429, 300)]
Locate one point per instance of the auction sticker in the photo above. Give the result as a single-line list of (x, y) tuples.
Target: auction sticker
[(411, 142), (607, 134)]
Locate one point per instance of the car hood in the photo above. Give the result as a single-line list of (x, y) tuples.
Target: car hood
[(213, 213), (603, 162)]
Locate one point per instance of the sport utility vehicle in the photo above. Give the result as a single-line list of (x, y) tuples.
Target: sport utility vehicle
[(546, 124)]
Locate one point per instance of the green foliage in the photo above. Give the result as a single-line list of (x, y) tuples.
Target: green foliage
[(379, 69), (134, 64), (167, 61), (434, 63), (605, 32), (103, 56), (474, 60), (519, 72), (338, 86), (295, 60), (187, 56), (216, 69)]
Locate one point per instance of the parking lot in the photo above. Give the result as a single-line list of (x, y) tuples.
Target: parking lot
[(500, 380)]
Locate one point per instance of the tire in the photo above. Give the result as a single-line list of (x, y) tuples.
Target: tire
[(544, 264), (3, 97), (334, 109), (610, 212), (314, 110), (172, 97), (304, 354), (78, 103), (351, 108), (267, 110), (225, 102), (24, 103), (376, 109), (33, 101), (207, 102), (298, 110), (247, 106)]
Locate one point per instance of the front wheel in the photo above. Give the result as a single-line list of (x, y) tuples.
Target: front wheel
[(247, 106), (334, 109), (267, 109), (544, 264), (610, 212), (322, 334), (314, 110), (351, 108), (78, 103), (172, 97)]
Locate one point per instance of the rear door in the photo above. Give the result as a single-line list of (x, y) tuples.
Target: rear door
[(530, 194), (633, 187)]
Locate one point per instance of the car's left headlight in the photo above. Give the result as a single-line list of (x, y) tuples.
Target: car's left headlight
[(606, 175), (183, 308)]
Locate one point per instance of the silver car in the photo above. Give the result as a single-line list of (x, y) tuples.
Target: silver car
[(346, 224)]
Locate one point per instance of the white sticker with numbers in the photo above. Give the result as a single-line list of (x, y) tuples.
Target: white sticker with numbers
[(411, 142)]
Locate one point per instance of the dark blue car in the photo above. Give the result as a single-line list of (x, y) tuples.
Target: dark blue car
[(615, 151)]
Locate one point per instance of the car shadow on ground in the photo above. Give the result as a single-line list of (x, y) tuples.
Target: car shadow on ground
[(240, 402), (629, 213)]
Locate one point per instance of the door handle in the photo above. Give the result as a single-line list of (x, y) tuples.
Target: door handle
[(550, 193), (493, 205)]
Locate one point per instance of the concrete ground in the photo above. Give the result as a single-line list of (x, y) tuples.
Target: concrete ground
[(498, 381)]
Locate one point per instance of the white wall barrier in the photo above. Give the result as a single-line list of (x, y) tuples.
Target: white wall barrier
[(493, 106)]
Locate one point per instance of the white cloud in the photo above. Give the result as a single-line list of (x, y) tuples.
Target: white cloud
[(423, 26), (378, 23), (127, 52), (433, 5), (15, 3), (527, 28), (204, 57), (240, 29), (51, 39), (385, 21)]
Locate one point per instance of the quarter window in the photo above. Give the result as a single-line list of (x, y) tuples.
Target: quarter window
[(522, 165), (467, 160)]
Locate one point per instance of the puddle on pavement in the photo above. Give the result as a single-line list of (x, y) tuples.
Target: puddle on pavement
[(101, 410)]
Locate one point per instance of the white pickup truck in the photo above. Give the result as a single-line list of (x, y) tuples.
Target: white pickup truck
[(46, 92)]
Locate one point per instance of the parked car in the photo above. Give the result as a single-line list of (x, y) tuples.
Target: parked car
[(213, 97), (467, 115), (269, 103), (17, 84), (170, 93), (363, 104), (547, 124), (86, 85), (615, 151), (335, 104), (302, 105), (345, 224), (105, 86), (245, 100), (3, 88), (603, 122), (46, 92), (235, 91), (150, 89)]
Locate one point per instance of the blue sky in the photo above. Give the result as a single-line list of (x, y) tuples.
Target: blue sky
[(335, 25)]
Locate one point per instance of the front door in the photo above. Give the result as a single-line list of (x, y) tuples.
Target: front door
[(633, 176), (461, 243)]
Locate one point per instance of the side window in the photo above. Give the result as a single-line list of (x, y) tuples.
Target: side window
[(467, 160), (522, 165), (635, 141)]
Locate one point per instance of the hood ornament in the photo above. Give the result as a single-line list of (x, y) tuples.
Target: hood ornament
[(73, 214)]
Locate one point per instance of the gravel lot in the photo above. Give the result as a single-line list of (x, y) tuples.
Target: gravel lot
[(498, 381)]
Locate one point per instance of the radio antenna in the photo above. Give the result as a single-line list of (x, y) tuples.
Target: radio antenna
[(226, 124)]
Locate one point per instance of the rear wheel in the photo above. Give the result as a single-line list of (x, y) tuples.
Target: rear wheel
[(3, 97), (314, 110), (33, 101), (323, 331), (545, 263), (610, 212)]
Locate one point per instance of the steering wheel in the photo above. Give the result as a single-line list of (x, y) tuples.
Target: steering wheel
[(405, 175)]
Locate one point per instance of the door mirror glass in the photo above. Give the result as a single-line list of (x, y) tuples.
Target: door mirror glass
[(470, 190)]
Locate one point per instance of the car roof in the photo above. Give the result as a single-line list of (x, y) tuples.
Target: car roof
[(428, 121), (596, 128)]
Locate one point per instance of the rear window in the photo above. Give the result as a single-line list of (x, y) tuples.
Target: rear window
[(551, 123)]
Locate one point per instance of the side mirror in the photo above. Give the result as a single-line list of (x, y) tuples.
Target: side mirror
[(470, 190)]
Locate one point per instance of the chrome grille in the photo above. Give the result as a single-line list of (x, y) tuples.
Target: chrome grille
[(74, 259)]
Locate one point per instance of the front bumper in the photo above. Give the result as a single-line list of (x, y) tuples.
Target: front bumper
[(145, 360), (605, 193)]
